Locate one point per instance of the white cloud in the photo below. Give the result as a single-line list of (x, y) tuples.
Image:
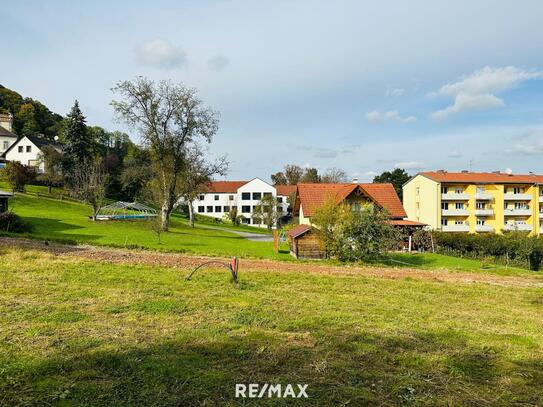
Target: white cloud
[(409, 165), (161, 54), (396, 92), (391, 115), (529, 149), (477, 91), (218, 63), (455, 154), (465, 102)]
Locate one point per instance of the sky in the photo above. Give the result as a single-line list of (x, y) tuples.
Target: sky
[(365, 86)]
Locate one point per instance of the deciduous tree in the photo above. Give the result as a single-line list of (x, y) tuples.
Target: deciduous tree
[(169, 117)]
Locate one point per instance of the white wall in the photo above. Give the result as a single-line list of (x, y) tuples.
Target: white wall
[(255, 186), (25, 158), (4, 139)]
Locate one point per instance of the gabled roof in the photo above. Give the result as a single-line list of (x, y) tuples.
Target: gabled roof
[(285, 190), (483, 177), (37, 141), (6, 133), (225, 187), (231, 187), (313, 196), (298, 230)]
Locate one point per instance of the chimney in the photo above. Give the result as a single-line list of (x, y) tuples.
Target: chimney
[(6, 121), (465, 171), (355, 181)]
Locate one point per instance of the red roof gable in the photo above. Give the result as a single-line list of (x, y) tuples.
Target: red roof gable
[(225, 187), (312, 196), (285, 190), (483, 177)]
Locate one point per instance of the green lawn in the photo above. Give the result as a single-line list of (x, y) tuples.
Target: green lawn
[(69, 221), (83, 333)]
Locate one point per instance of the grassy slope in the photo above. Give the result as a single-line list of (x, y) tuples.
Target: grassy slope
[(61, 220), (82, 333)]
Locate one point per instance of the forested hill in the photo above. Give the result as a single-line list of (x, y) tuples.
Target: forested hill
[(30, 116)]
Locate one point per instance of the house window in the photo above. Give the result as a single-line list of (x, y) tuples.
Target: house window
[(201, 197), (20, 149), (218, 208), (444, 190), (479, 205), (458, 222), (518, 190), (444, 221), (267, 194), (245, 196), (216, 197), (210, 209), (279, 209), (246, 209), (444, 205), (459, 205), (246, 221), (418, 191), (280, 199), (6, 145), (257, 196), (256, 222), (458, 190), (480, 221), (520, 205), (201, 209), (356, 207), (226, 209), (28, 149), (230, 197)]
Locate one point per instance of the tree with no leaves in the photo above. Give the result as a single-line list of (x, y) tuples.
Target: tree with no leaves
[(196, 174), (334, 175), (169, 117), (89, 184)]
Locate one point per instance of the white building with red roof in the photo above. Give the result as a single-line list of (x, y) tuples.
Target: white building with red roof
[(221, 196)]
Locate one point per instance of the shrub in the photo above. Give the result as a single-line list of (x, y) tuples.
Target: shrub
[(10, 222), (515, 247), (18, 175)]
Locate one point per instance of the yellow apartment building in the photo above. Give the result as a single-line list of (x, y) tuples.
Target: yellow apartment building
[(475, 202)]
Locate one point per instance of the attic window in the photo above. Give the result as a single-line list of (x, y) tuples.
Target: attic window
[(20, 149), (28, 149)]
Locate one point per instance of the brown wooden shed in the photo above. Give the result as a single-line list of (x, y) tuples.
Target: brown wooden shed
[(304, 243)]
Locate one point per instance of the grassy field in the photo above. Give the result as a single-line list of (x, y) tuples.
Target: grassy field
[(76, 332), (69, 221)]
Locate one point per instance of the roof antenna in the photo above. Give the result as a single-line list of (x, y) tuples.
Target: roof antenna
[(470, 165)]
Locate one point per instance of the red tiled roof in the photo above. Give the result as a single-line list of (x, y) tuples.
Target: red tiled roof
[(298, 230), (225, 187), (405, 222), (483, 177), (285, 190), (312, 196)]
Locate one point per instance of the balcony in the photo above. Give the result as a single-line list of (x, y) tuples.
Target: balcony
[(540, 215), (517, 197), (455, 228), (517, 212), (454, 212), (454, 196), (517, 226), (484, 228), (484, 212), (484, 196)]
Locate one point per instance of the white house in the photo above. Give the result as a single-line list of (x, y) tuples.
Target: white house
[(221, 196), (7, 137), (27, 151)]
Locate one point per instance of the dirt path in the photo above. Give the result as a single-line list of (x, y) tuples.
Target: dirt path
[(183, 261)]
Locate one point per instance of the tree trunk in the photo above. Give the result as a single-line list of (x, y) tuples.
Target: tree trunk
[(191, 213), (165, 216), (49, 188)]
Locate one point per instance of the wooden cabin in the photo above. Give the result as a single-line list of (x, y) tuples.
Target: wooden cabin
[(304, 243)]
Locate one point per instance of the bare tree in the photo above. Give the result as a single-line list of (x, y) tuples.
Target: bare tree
[(197, 173), (169, 116), (51, 158), (293, 173), (334, 175), (89, 184)]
